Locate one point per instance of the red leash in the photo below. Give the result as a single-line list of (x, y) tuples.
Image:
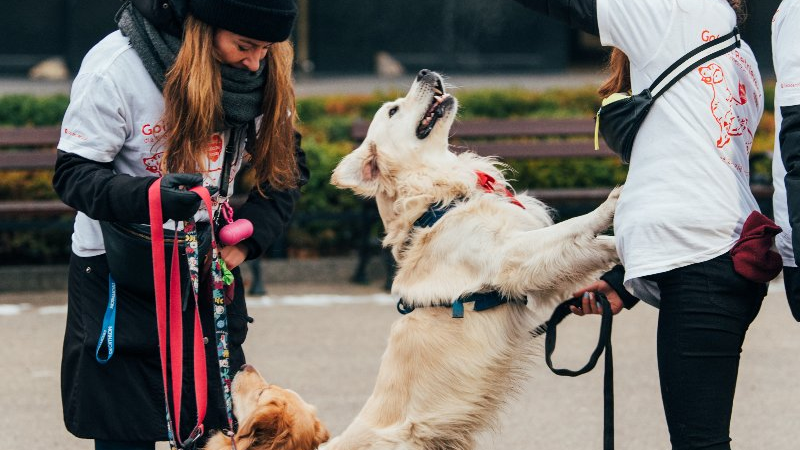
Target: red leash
[(175, 330)]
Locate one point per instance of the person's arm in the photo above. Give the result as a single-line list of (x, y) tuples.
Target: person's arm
[(580, 14), (93, 188), (272, 212), (789, 141)]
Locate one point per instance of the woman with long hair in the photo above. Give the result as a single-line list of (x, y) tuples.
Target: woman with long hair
[(187, 91), (685, 201)]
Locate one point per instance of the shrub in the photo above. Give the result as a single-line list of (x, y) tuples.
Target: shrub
[(30, 110)]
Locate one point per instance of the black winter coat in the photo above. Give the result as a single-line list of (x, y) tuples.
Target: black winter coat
[(124, 399)]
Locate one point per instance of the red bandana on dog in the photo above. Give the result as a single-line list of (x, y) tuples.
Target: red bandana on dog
[(487, 182)]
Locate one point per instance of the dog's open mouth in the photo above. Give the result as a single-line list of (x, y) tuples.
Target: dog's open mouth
[(439, 104)]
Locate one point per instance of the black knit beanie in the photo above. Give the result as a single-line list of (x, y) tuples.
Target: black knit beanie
[(264, 20)]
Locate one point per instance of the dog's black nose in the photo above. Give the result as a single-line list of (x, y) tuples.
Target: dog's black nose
[(422, 74)]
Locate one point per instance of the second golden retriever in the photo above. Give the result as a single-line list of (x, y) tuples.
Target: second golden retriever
[(270, 417)]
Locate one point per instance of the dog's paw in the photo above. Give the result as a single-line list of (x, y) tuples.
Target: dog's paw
[(607, 247), (604, 214), (614, 195), (611, 200)]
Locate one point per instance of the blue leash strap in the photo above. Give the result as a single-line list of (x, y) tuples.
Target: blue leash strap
[(107, 333)]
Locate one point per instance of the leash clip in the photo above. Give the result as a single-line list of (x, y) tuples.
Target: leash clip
[(231, 435), (188, 443), (404, 309)]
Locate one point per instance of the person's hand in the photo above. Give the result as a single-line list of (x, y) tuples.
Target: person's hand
[(177, 201), (233, 255), (590, 304)]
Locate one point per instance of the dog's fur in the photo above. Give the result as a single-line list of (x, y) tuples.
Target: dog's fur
[(270, 417), (443, 379)]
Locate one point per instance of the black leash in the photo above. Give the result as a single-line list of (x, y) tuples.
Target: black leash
[(603, 343)]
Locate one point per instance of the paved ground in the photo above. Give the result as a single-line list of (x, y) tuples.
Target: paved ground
[(328, 347)]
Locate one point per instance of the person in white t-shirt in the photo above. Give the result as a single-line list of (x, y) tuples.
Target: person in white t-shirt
[(786, 159), (685, 200), (185, 90)]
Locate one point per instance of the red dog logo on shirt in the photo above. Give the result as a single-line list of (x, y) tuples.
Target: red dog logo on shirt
[(722, 106), (153, 163)]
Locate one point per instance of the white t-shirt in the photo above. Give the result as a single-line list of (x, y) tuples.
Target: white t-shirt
[(114, 115), (786, 60), (687, 194)]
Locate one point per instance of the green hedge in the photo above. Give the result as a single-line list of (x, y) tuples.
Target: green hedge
[(30, 110), (326, 215)]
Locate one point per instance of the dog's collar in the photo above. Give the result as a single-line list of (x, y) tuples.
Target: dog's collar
[(432, 215), (482, 300)]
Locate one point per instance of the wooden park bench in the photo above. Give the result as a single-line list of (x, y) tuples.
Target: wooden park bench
[(29, 149), (518, 139), (509, 139)]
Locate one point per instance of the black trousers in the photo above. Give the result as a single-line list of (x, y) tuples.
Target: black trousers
[(705, 311), (791, 281)]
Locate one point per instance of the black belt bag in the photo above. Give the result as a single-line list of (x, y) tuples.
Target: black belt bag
[(130, 255), (621, 114)]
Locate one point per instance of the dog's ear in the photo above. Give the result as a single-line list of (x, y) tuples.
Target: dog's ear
[(359, 171), (268, 428), (370, 170), (321, 433)]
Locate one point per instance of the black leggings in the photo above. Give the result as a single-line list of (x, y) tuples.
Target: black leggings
[(705, 311), (791, 281)]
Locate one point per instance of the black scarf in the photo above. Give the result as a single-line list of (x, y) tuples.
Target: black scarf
[(242, 90)]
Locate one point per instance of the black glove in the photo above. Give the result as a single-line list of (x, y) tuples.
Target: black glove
[(177, 201)]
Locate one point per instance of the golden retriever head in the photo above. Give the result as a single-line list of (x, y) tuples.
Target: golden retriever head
[(270, 417), (412, 131), (405, 161)]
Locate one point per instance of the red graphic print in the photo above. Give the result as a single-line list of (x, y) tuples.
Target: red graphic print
[(153, 163), (722, 106), (152, 133), (215, 147)]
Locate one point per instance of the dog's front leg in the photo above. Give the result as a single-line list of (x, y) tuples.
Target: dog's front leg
[(558, 256)]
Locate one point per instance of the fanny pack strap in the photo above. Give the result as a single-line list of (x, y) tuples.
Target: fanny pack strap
[(227, 162), (693, 60)]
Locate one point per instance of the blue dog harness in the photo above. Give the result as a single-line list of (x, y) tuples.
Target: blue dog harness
[(482, 300)]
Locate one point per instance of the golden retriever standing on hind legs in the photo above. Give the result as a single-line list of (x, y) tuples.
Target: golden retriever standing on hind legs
[(469, 256)]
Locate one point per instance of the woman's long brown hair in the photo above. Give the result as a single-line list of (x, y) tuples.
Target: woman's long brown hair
[(193, 109), (619, 67)]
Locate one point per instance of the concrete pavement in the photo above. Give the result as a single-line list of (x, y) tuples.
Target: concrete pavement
[(327, 347)]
